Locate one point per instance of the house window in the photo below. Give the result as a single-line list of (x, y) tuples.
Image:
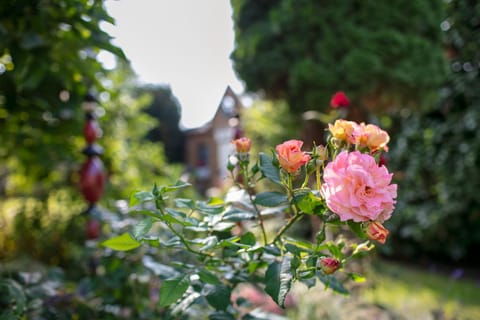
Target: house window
[(202, 155)]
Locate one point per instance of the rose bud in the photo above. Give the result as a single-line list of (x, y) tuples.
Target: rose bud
[(339, 100), (242, 145), (376, 231), (329, 265)]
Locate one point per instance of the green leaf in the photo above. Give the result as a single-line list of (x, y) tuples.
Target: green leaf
[(123, 242), (209, 209), (308, 202), (208, 277), (147, 213), (236, 214), (278, 280), (177, 186), (272, 280), (219, 297), (335, 250), (138, 197), (172, 290), (268, 169), (271, 199), (179, 217), (184, 203), (357, 277), (331, 282), (220, 315), (142, 227), (248, 239), (356, 228)]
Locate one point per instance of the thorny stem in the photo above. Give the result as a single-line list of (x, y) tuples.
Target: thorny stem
[(297, 214), (244, 169), (182, 240)]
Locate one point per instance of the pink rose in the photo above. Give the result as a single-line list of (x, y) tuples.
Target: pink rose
[(376, 231), (357, 189), (290, 156), (242, 145), (339, 100)]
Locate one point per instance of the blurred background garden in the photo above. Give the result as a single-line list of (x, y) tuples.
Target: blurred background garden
[(71, 99)]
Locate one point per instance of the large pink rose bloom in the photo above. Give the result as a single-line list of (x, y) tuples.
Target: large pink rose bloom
[(357, 189)]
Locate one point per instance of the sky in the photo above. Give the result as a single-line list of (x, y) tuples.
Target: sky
[(183, 43)]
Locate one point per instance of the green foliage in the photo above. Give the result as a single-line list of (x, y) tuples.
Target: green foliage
[(48, 61), (166, 109), (214, 247), (437, 156), (383, 54)]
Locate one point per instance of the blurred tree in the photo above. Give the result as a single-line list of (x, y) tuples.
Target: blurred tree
[(437, 154), (383, 54), (48, 61), (166, 109)]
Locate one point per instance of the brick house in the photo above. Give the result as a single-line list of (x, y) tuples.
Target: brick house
[(207, 148)]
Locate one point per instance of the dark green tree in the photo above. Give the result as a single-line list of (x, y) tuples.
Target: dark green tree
[(384, 54), (48, 62), (166, 109), (437, 155)]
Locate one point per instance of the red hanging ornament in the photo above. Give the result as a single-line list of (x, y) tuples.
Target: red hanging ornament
[(92, 179), (91, 131)]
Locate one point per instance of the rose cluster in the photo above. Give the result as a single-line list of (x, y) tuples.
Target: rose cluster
[(355, 186)]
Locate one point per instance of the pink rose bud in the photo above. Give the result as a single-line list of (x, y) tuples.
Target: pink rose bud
[(242, 145), (329, 265), (376, 231), (339, 100), (290, 157)]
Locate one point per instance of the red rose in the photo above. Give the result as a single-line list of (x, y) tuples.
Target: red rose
[(339, 100)]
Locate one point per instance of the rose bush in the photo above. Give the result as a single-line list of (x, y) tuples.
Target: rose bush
[(226, 243)]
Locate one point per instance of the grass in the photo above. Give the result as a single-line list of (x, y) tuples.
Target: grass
[(394, 291)]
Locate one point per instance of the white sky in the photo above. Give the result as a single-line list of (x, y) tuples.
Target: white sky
[(183, 43)]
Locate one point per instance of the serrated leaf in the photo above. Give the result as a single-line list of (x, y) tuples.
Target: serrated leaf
[(177, 186), (271, 199), (138, 197), (220, 315), (219, 297), (356, 228), (208, 277), (142, 227), (272, 280), (331, 282), (248, 239), (184, 203), (268, 169), (147, 213), (278, 280), (308, 202), (172, 290), (123, 242), (236, 214), (209, 209)]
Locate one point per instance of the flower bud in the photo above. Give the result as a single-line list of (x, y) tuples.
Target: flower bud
[(290, 155), (329, 265), (376, 231), (242, 145), (339, 100)]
